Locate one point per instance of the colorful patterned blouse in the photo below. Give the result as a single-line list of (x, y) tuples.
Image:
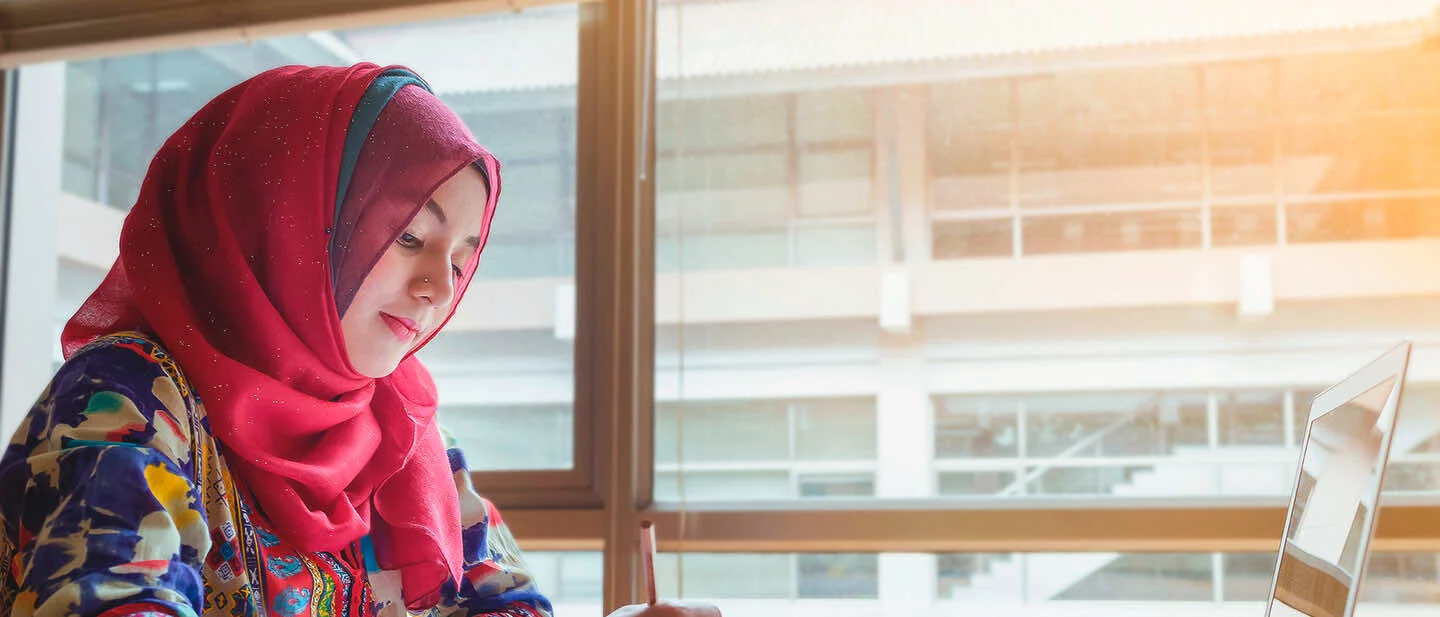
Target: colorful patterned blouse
[(115, 500)]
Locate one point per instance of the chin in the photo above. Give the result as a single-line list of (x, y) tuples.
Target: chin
[(378, 374), (375, 369)]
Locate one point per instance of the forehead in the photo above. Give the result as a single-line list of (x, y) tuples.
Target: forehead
[(462, 198)]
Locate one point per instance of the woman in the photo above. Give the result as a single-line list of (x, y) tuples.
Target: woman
[(241, 426)]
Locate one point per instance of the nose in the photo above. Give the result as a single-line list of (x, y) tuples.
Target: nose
[(433, 285)]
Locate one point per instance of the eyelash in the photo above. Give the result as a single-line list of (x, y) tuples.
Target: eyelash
[(408, 240)]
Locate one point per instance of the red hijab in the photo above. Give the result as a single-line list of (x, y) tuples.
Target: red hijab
[(234, 257)]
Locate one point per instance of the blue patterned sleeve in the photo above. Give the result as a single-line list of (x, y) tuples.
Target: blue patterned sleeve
[(96, 500), (496, 582)]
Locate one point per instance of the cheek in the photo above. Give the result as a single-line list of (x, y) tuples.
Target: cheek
[(382, 280), (368, 298), (364, 296)]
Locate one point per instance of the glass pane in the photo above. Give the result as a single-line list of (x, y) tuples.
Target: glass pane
[(1158, 580), (976, 427), (1242, 161), (1412, 477), (958, 574), (835, 429), (1243, 225), (730, 576), (779, 578), (1051, 234), (973, 238), (1240, 128), (573, 581), (475, 428), (1363, 219), (838, 576), (1357, 123), (1252, 418), (837, 485), (835, 182), (835, 246), (1160, 577), (704, 484), (520, 257), (711, 450), (1064, 584), (1085, 480), (1111, 137), (1401, 578), (1248, 576), (541, 198), (1417, 401), (721, 251), (970, 129), (1144, 230), (1082, 425), (1067, 583), (720, 122), (117, 112), (722, 431), (963, 483), (835, 116)]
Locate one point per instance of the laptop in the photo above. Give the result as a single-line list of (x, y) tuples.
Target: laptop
[(1333, 506)]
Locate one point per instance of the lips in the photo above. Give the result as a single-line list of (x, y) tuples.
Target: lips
[(404, 329)]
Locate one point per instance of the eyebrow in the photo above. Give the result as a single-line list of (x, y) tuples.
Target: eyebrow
[(434, 208)]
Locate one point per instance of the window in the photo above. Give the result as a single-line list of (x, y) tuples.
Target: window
[(765, 181), (1359, 146), (476, 429), (806, 576), (765, 449), (1252, 418), (1240, 118), (1049, 316), (1243, 225), (1303, 148), (1143, 445), (1113, 231), (572, 580), (912, 279), (958, 239), (1087, 425), (972, 427)]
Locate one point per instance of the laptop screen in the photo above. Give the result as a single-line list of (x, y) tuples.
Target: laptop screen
[(1332, 510)]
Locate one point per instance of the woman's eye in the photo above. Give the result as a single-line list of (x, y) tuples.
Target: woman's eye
[(459, 272), (408, 241)]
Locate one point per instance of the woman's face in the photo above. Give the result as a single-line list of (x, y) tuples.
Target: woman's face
[(408, 293)]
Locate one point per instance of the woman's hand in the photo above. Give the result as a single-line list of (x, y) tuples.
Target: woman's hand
[(667, 609)]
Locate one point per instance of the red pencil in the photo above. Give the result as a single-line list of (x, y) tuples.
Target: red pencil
[(647, 559)]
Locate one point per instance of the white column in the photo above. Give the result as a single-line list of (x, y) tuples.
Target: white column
[(30, 332), (912, 139), (905, 439), (904, 433), (905, 424)]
